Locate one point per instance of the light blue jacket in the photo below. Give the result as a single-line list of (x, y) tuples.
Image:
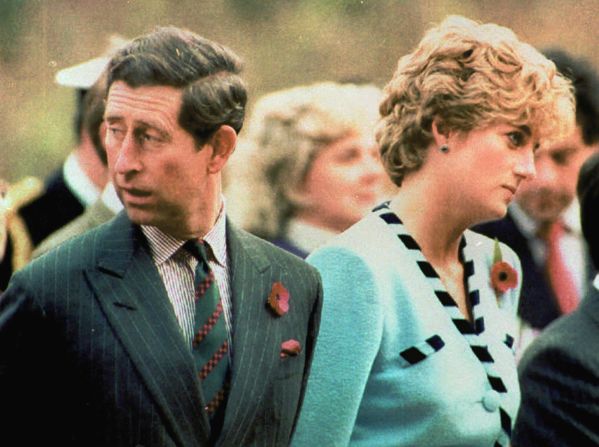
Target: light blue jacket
[(377, 304)]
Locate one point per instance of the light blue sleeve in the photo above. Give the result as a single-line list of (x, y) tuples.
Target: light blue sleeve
[(347, 344)]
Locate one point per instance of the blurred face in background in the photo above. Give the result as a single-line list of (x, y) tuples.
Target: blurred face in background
[(545, 197), (345, 180)]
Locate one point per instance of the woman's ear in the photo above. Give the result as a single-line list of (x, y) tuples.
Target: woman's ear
[(440, 132), (223, 143)]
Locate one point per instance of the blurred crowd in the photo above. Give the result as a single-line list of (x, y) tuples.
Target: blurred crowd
[(312, 161)]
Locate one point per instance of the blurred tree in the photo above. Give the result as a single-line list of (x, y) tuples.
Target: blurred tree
[(12, 21)]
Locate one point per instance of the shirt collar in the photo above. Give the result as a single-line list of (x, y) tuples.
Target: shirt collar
[(110, 198), (78, 182), (306, 236), (527, 225), (163, 245)]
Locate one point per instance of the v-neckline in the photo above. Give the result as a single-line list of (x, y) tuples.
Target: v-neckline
[(430, 275)]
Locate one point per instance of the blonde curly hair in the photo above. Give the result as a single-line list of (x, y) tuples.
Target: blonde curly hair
[(283, 136), (468, 75)]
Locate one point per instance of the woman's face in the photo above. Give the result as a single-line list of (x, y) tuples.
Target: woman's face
[(487, 167), (345, 180)]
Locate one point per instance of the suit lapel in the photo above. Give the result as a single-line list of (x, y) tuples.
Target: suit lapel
[(254, 345), (132, 295), (590, 304)]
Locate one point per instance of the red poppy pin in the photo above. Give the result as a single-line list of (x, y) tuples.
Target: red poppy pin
[(503, 276), (290, 347), (278, 300)]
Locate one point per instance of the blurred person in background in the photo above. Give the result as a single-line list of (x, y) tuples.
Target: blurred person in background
[(15, 243), (108, 204), (559, 372), (419, 313), (3, 220), (79, 181), (36, 212), (308, 167), (543, 222)]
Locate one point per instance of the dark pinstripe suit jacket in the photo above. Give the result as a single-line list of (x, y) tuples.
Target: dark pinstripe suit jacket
[(91, 352), (559, 377)]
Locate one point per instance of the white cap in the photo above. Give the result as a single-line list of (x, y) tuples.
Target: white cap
[(85, 74)]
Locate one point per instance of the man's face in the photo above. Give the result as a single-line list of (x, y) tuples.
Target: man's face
[(545, 197), (158, 172)]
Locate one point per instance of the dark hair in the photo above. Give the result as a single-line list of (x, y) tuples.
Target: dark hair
[(93, 115), (586, 90), (207, 72), (587, 189), (78, 116)]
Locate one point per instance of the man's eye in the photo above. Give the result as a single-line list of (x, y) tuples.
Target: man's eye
[(560, 158), (147, 138), (115, 130)]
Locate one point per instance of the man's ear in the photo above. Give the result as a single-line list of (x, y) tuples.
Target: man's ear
[(223, 143)]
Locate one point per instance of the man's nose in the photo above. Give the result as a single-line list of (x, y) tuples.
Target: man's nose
[(128, 158)]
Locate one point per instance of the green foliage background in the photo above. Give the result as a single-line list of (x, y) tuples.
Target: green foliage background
[(284, 43)]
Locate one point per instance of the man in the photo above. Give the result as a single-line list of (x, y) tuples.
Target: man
[(102, 340), (543, 225), (108, 204), (559, 372)]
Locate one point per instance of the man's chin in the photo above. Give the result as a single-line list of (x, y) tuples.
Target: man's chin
[(140, 217), (546, 213), (545, 209)]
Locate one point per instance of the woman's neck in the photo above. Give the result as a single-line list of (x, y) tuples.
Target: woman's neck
[(432, 218)]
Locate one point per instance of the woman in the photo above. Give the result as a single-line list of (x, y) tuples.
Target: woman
[(415, 339), (309, 167)]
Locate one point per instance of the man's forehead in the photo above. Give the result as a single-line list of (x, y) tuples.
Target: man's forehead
[(572, 143), (149, 99)]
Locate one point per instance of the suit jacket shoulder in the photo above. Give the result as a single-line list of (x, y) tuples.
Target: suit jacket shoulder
[(52, 210), (93, 216), (559, 373)]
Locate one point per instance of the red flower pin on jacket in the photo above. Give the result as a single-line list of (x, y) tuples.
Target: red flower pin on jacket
[(278, 300), (290, 347), (503, 276)]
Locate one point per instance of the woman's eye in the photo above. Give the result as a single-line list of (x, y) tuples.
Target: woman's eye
[(349, 155), (516, 138)]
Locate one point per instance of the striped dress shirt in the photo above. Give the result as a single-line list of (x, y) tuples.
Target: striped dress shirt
[(176, 267)]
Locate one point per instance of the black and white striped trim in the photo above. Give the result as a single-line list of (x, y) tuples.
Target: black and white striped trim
[(470, 331), (417, 353)]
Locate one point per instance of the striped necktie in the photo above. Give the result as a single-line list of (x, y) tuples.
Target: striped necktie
[(210, 344)]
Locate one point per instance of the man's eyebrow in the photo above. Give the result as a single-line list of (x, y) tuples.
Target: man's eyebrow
[(112, 118)]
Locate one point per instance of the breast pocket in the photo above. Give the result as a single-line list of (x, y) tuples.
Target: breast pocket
[(421, 351)]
